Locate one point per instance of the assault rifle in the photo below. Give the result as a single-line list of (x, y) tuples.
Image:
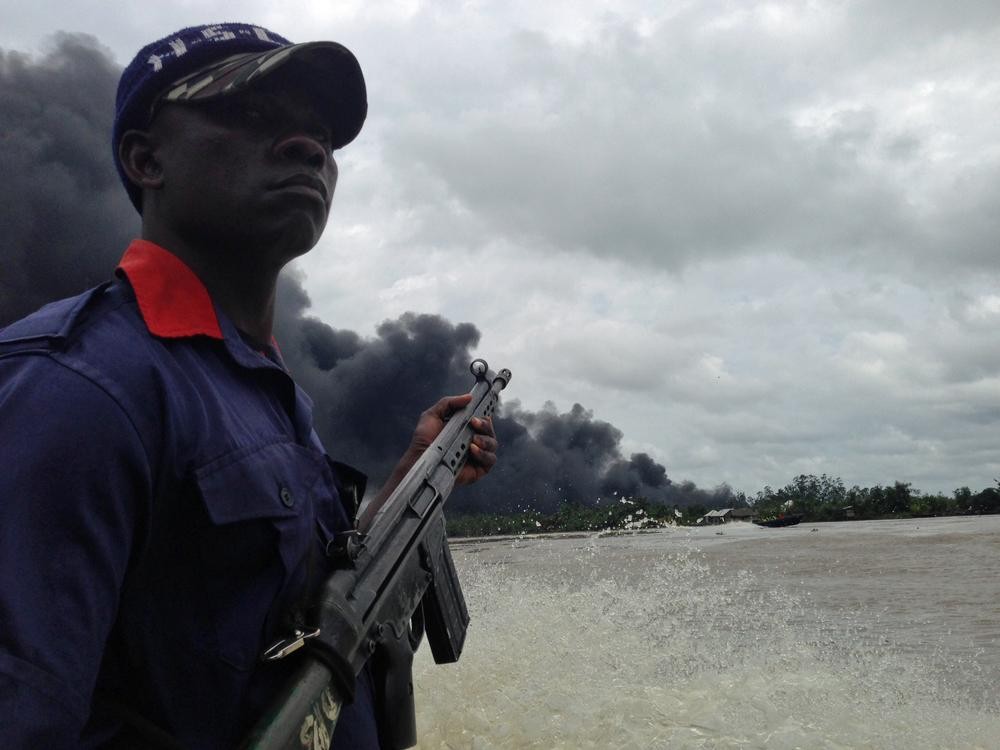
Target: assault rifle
[(391, 584)]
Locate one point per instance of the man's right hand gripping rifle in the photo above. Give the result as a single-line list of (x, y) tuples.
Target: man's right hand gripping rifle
[(395, 580)]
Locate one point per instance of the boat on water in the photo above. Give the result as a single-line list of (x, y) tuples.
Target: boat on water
[(789, 520)]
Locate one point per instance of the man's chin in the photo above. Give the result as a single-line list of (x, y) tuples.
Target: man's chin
[(295, 234)]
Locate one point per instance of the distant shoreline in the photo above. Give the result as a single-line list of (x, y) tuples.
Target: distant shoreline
[(645, 517)]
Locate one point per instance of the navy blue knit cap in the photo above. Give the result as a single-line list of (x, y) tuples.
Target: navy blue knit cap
[(202, 62)]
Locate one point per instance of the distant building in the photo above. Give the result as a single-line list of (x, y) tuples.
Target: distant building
[(718, 516), (725, 515)]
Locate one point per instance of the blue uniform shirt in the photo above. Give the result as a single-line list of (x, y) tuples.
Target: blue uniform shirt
[(164, 501)]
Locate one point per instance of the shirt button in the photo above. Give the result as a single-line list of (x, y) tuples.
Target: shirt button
[(286, 497)]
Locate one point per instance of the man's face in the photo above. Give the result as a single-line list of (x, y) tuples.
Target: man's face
[(252, 171)]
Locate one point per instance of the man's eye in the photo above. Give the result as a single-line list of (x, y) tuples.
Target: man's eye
[(245, 113)]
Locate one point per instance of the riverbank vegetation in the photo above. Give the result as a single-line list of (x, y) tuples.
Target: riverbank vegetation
[(822, 498), (825, 498), (619, 514)]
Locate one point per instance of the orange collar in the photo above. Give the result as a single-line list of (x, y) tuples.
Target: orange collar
[(172, 300)]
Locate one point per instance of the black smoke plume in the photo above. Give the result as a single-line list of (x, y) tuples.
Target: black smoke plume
[(369, 393), (66, 219)]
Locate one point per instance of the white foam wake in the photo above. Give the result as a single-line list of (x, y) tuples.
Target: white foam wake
[(569, 649)]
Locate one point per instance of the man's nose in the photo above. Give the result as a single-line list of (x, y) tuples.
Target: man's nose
[(303, 148)]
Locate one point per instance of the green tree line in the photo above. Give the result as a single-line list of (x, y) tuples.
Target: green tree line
[(825, 498), (822, 498), (618, 514)]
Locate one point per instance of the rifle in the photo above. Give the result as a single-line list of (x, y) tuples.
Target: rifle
[(391, 585)]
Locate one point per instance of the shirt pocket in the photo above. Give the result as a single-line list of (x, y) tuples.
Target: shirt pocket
[(255, 545)]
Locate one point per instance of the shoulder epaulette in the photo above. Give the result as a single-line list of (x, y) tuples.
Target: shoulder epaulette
[(54, 321)]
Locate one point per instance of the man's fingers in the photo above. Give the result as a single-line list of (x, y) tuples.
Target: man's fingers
[(481, 461), (482, 447), (484, 456), (485, 443), (450, 405), (483, 425)]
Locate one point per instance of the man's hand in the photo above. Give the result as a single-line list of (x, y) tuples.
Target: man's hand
[(482, 449), (481, 458)]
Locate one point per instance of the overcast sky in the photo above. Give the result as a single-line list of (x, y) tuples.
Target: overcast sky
[(759, 238)]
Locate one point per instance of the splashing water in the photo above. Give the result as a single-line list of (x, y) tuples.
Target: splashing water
[(576, 643)]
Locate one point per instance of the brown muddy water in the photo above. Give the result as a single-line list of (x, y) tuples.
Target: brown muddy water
[(870, 634)]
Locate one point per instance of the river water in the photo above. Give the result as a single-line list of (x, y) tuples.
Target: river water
[(868, 634)]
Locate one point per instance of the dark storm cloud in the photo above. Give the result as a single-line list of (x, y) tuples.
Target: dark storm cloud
[(65, 217), (716, 175), (719, 131)]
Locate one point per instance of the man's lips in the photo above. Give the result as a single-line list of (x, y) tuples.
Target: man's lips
[(306, 181)]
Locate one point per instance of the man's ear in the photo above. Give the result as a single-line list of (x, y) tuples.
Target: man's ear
[(138, 159)]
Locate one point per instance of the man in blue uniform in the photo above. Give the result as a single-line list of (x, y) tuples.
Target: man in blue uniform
[(165, 500)]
